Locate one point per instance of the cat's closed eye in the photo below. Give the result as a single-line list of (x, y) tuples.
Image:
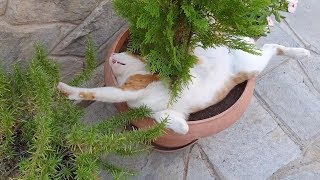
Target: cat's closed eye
[(121, 63), (115, 61)]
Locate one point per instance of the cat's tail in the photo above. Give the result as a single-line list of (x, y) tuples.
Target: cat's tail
[(288, 51)]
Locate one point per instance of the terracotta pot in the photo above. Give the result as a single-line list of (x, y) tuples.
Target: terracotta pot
[(197, 129)]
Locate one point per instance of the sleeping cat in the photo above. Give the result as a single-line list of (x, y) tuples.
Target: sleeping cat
[(218, 70)]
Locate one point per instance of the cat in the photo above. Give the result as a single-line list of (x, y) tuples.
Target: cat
[(218, 70)]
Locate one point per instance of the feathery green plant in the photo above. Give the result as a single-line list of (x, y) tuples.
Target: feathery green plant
[(166, 31), (41, 132)]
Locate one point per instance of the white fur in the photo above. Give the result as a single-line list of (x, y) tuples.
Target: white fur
[(208, 78)]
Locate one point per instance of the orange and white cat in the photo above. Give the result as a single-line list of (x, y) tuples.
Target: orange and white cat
[(217, 72)]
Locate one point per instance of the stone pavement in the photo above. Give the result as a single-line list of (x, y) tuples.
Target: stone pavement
[(279, 135)]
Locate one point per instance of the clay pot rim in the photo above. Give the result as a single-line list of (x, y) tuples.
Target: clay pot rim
[(126, 32)]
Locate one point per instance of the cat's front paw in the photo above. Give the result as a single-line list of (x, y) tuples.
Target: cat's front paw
[(175, 120), (68, 91), (180, 127)]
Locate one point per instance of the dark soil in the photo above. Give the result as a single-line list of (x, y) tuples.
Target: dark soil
[(216, 109), (223, 105)]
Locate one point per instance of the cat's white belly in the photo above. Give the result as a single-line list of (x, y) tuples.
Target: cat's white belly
[(199, 97), (155, 96), (200, 93)]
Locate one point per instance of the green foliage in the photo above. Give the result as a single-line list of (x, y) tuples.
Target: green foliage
[(90, 57), (42, 135), (166, 31), (118, 173)]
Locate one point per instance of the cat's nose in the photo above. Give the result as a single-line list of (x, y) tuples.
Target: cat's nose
[(111, 59)]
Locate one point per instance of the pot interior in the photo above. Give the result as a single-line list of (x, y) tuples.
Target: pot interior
[(220, 107)]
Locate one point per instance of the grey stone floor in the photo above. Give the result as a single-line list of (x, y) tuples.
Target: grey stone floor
[(279, 135)]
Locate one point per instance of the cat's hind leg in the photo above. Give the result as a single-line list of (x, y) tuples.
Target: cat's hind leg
[(176, 120), (246, 62), (275, 49), (270, 50), (104, 94)]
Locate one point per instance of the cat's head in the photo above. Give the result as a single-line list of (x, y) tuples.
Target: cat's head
[(125, 63)]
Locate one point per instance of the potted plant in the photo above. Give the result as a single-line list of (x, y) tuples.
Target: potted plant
[(164, 32)]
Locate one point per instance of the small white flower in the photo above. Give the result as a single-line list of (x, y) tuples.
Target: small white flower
[(292, 6), (270, 21)]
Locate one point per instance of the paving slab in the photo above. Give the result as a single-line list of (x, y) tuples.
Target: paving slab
[(16, 42), (254, 148), (97, 78), (286, 91), (304, 23), (198, 168), (3, 5), (133, 163), (163, 166), (154, 165), (102, 25), (35, 11), (305, 172), (99, 111), (69, 66), (312, 68)]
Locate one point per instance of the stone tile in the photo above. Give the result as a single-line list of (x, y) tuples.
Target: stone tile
[(104, 48), (163, 166), (69, 66), (97, 79), (16, 43), (312, 68), (276, 36), (285, 91), (154, 165), (254, 148), (307, 172), (3, 5), (197, 168), (304, 167), (99, 111), (101, 25), (135, 163), (304, 24), (38, 11)]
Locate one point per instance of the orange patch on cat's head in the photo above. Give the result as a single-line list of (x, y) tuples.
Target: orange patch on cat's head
[(139, 81)]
